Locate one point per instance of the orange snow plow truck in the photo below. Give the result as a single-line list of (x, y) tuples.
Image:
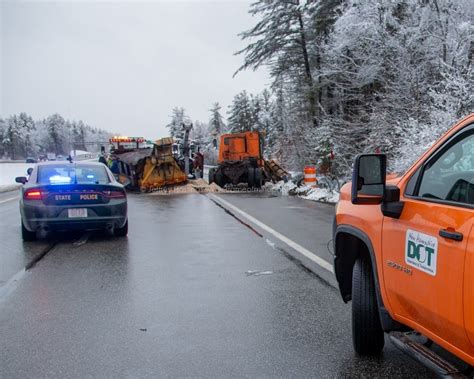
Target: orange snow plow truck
[(241, 161), (404, 254)]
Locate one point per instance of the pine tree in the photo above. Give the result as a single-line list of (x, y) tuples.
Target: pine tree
[(55, 125), (216, 122), (240, 113), (178, 117)]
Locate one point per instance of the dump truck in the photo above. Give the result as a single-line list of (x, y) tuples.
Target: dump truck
[(241, 161)]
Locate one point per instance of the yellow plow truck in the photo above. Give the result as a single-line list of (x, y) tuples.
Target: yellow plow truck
[(149, 169)]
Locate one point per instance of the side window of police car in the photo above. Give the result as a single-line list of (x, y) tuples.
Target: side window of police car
[(449, 176)]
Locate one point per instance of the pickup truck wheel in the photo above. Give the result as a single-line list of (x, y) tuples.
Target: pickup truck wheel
[(367, 333), (26, 235)]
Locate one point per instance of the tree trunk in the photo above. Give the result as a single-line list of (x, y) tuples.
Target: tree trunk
[(307, 67)]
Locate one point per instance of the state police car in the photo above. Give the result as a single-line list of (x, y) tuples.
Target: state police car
[(60, 196)]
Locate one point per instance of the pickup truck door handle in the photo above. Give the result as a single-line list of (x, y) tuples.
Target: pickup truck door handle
[(451, 234)]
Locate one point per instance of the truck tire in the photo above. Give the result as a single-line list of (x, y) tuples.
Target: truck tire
[(212, 175), (367, 333), (251, 177), (121, 232), (219, 179), (26, 235), (258, 178)]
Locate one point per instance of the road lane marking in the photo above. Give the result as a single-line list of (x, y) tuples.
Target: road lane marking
[(9, 199), (300, 249), (11, 285)]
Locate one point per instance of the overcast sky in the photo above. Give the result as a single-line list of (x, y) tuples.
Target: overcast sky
[(122, 66)]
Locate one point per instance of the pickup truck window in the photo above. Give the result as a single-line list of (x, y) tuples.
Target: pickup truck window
[(451, 176)]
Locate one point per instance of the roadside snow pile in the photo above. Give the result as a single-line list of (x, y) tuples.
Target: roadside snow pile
[(305, 192), (8, 173), (282, 187), (318, 194)]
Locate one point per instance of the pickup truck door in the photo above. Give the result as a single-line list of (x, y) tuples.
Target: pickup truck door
[(424, 251), (469, 288)]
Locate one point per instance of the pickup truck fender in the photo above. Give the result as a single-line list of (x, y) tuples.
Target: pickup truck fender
[(349, 243)]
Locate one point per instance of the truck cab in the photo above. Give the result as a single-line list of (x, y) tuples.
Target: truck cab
[(404, 251)]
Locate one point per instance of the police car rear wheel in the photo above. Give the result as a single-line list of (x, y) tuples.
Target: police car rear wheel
[(123, 231), (367, 333), (26, 235)]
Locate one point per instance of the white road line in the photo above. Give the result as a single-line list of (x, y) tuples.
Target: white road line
[(11, 285), (300, 249), (9, 199)]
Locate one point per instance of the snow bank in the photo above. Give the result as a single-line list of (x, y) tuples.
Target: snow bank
[(8, 173), (305, 192), (318, 194)]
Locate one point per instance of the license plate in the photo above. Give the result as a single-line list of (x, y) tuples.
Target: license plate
[(77, 212)]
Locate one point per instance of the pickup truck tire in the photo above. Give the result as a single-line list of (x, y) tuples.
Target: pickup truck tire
[(367, 334)]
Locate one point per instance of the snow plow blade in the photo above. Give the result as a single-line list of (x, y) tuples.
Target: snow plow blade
[(275, 172), (161, 169), (150, 169)]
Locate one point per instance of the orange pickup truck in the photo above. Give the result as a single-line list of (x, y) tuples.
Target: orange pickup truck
[(404, 254)]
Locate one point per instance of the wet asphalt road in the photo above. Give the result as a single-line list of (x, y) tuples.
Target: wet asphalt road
[(191, 292)]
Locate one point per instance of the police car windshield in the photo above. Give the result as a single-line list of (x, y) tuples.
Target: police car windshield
[(72, 174)]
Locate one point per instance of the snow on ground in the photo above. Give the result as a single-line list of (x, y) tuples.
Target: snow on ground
[(305, 192), (318, 194), (8, 173)]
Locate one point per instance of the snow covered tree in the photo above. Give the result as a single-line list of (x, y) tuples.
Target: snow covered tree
[(178, 117), (56, 128), (216, 122), (240, 113), (16, 136), (361, 76), (280, 40)]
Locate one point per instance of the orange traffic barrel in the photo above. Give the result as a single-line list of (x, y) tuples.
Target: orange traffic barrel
[(310, 176)]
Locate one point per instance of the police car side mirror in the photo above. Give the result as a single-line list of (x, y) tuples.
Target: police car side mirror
[(29, 171), (21, 179), (368, 178)]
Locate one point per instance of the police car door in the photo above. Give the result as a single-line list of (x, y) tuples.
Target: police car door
[(424, 251)]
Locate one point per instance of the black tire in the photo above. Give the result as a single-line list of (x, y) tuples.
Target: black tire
[(121, 232), (212, 176), (367, 334), (258, 178), (26, 235), (219, 179), (251, 177)]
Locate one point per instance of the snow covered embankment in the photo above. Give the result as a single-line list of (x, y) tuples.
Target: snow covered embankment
[(8, 173), (289, 188)]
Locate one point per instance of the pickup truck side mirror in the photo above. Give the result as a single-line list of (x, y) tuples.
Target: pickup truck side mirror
[(368, 178), (21, 179)]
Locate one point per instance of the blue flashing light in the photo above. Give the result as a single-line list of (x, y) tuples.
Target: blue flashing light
[(59, 179)]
